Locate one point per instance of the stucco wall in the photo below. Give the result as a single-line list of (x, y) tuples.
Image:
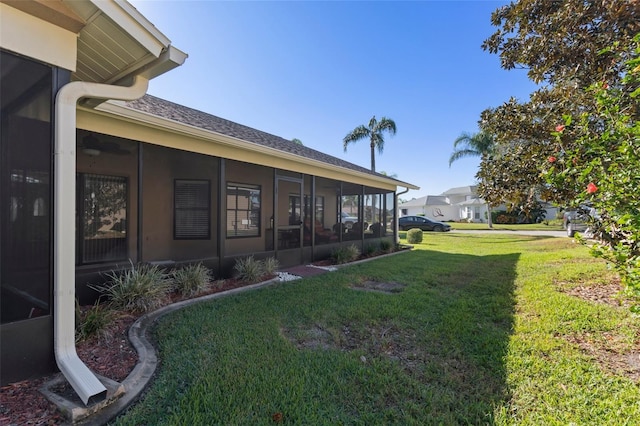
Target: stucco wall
[(161, 166)]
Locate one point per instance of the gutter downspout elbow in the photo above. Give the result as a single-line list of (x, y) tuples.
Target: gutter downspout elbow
[(83, 381)]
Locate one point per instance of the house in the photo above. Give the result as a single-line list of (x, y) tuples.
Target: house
[(455, 204), (95, 174), (459, 204)]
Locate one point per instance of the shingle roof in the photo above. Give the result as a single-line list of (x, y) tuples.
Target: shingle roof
[(185, 115), (417, 202), (437, 200), (461, 190)]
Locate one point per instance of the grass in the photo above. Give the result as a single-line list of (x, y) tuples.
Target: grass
[(481, 334), (551, 225)]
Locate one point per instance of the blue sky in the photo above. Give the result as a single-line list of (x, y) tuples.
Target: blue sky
[(316, 70)]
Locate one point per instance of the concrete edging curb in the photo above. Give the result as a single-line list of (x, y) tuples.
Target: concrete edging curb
[(136, 382)]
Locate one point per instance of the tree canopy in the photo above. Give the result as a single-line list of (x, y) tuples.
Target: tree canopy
[(570, 141), (565, 46)]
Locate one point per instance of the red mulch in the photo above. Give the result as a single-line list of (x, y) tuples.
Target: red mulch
[(110, 356)]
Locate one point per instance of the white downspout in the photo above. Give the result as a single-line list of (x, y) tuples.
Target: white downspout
[(395, 225), (83, 381)]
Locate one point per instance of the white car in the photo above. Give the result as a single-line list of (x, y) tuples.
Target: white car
[(576, 220)]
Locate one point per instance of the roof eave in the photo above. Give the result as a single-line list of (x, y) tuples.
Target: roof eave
[(118, 109)]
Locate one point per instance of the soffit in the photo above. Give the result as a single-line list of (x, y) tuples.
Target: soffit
[(114, 39)]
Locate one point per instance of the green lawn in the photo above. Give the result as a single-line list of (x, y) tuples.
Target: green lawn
[(553, 225), (480, 334)]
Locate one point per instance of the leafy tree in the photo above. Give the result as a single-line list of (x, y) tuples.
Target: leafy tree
[(573, 140), (565, 46), (297, 141), (481, 145), (558, 41), (374, 132), (604, 166)]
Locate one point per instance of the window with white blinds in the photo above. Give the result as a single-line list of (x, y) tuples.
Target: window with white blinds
[(192, 205)]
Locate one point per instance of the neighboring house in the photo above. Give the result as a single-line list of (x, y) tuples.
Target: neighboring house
[(95, 174), (455, 204), (458, 204)]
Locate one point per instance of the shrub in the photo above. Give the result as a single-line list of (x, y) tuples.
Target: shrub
[(596, 158), (369, 249), (141, 288), (271, 265), (505, 219), (345, 254), (414, 236), (93, 321), (249, 269), (386, 246), (191, 279)]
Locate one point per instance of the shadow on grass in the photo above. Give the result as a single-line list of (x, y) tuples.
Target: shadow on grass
[(462, 311)]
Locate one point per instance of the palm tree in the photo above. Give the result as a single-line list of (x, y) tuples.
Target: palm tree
[(481, 145), (373, 132)]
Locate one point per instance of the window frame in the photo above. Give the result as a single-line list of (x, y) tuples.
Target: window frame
[(233, 233), (81, 252)]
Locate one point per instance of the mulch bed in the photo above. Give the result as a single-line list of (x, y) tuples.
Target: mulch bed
[(110, 355)]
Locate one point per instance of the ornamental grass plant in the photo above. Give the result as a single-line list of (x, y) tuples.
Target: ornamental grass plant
[(191, 280), (140, 288), (249, 269), (345, 254)]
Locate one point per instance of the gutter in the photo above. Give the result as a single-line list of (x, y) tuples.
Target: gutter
[(83, 381)]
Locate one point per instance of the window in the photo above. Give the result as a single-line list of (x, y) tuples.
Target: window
[(102, 218), (294, 210), (192, 204), (243, 210)]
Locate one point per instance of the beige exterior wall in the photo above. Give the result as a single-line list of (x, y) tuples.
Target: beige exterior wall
[(32, 37), (161, 166)]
